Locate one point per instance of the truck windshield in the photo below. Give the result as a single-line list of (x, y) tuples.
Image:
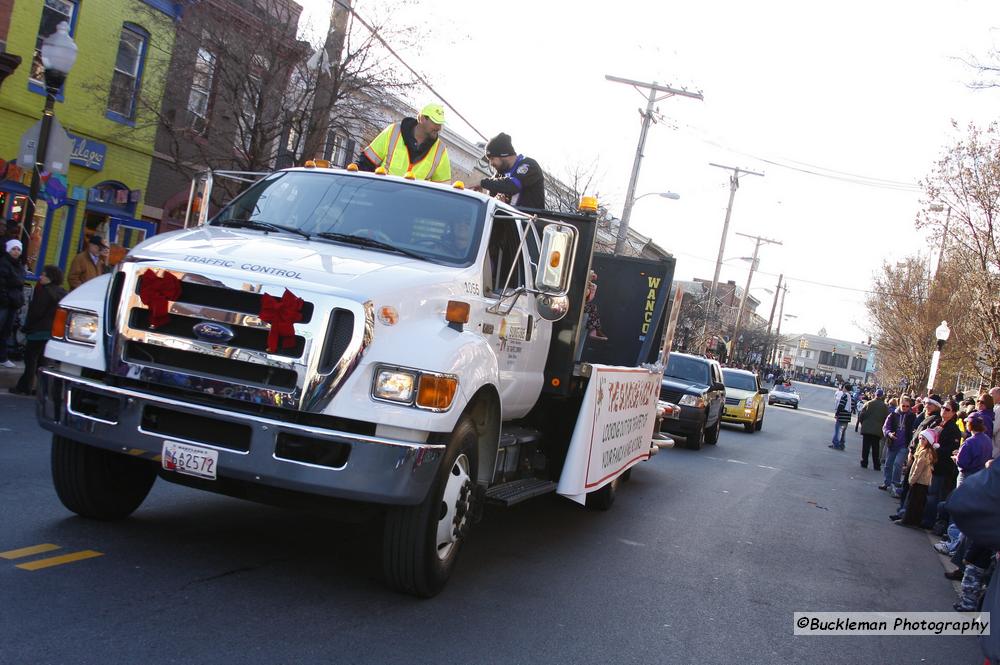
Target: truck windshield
[(738, 380), (687, 369), (437, 225)]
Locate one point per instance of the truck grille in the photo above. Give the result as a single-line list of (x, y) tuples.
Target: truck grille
[(303, 376), (732, 401), (673, 396)]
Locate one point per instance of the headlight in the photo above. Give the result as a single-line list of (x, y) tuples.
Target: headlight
[(424, 390), (691, 400), (395, 385), (81, 327)]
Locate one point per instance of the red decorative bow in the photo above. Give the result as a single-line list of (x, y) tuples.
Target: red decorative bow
[(156, 292), (281, 314)]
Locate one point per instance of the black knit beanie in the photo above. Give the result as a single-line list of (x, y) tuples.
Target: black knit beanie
[(500, 146)]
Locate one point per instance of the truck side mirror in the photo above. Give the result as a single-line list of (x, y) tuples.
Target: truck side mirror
[(551, 307), (556, 259)]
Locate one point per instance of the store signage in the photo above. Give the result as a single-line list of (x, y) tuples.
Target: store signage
[(86, 153)]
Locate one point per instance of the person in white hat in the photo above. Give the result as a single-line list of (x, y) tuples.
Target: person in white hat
[(11, 295)]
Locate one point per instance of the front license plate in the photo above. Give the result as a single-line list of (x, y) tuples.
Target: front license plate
[(192, 460)]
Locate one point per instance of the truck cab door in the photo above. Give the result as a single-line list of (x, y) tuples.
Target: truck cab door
[(518, 336)]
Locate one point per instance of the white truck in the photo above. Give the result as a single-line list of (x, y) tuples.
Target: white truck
[(352, 340)]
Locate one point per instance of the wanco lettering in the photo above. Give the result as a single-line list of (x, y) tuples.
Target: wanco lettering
[(250, 267), (647, 316)]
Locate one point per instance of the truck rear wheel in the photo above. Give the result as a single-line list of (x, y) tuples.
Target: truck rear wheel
[(98, 483), (421, 543), (603, 498)]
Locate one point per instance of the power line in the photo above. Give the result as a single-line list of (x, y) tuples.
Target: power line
[(811, 169)]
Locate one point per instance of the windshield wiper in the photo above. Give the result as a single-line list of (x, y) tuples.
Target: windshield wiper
[(262, 226), (368, 242)]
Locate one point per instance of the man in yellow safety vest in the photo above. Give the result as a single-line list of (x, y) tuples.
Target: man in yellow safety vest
[(411, 146)]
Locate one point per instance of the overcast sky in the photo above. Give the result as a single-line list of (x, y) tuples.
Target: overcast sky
[(859, 88)]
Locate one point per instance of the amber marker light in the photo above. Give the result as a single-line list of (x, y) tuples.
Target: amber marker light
[(310, 164), (554, 259), (322, 163), (458, 184), (555, 382), (588, 204), (59, 324), (380, 171), (457, 312), (352, 167), (436, 392), (409, 176)]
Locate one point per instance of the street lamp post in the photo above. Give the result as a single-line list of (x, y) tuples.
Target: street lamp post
[(623, 223), (943, 332), (58, 58)]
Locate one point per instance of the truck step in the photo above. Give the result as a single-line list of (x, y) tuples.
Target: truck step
[(517, 491), (515, 435)]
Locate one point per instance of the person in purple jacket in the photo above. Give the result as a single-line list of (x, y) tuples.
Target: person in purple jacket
[(984, 409), (898, 430), (976, 450)]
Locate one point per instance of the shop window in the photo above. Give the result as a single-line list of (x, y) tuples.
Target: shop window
[(127, 74), (201, 90), (54, 12)]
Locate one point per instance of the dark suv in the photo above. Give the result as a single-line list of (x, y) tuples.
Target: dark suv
[(695, 384)]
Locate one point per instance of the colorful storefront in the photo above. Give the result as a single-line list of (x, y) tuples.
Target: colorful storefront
[(108, 137)]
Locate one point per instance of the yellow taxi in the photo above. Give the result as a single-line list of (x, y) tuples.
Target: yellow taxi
[(745, 399)]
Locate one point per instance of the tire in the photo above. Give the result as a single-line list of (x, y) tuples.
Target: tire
[(421, 543), (695, 440), (795, 406), (97, 483), (759, 425), (750, 427), (627, 476), (603, 498), (712, 435)]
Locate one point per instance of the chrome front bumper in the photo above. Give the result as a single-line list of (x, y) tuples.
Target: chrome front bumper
[(377, 470)]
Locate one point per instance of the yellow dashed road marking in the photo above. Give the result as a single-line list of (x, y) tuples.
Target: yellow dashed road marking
[(59, 560), (28, 551)]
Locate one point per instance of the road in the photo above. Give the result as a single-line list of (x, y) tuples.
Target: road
[(703, 559)]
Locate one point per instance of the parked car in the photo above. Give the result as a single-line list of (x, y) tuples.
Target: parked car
[(744, 399), (694, 383), (783, 394)]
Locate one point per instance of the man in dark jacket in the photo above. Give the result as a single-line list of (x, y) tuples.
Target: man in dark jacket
[(872, 418), (38, 324), (11, 295), (898, 429), (518, 178)]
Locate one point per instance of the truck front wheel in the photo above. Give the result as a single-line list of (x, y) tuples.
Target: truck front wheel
[(421, 543), (98, 483)]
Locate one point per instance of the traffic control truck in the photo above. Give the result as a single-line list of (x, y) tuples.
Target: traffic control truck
[(354, 341)]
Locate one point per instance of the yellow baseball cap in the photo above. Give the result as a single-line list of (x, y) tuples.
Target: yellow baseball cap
[(435, 112)]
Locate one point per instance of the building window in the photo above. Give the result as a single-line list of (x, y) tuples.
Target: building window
[(859, 364), (201, 90), (127, 72), (54, 12), (339, 149)]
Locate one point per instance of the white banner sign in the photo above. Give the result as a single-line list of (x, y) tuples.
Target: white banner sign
[(613, 430)]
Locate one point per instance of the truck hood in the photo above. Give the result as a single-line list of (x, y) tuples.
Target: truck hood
[(289, 260), (674, 383)]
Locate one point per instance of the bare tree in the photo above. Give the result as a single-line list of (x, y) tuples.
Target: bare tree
[(962, 208)]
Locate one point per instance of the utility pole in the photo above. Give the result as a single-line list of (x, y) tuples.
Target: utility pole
[(770, 319), (734, 184), (647, 118), (781, 315), (328, 78), (746, 291)]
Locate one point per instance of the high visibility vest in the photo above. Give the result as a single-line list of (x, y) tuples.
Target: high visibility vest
[(435, 165)]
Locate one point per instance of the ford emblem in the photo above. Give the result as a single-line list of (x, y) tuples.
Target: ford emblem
[(212, 332)]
